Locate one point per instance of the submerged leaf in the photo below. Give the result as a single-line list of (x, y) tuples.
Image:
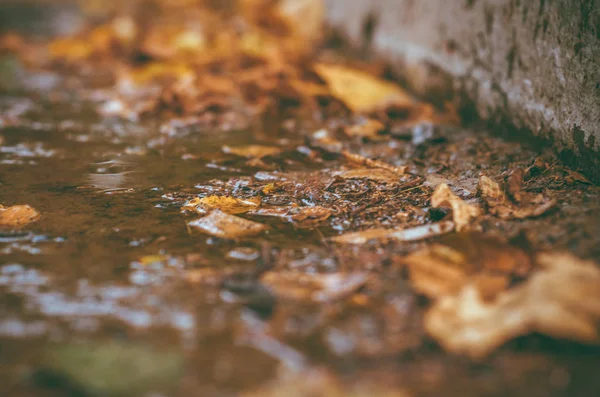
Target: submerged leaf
[(17, 216), (462, 212), (313, 287), (252, 151), (360, 91), (221, 224), (562, 300), (411, 234)]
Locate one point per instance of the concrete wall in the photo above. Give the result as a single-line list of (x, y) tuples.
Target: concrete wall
[(535, 63)]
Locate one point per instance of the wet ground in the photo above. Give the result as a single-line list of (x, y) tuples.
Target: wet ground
[(110, 293)]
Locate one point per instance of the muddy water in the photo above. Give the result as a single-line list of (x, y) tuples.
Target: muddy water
[(94, 298)]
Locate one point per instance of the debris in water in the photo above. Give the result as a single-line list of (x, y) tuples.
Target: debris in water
[(220, 224), (561, 300), (17, 216)]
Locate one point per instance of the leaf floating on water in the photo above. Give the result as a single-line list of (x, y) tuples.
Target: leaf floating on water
[(17, 216), (462, 212), (227, 204), (223, 225), (562, 300), (531, 205), (252, 151), (360, 91), (313, 287), (411, 234)]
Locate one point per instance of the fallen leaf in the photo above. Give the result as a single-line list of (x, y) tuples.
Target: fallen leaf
[(462, 212), (562, 301), (577, 177), (368, 128), (223, 225), (443, 269), (17, 216), (227, 204), (360, 91), (306, 17), (411, 234), (252, 151), (383, 175), (309, 216), (313, 287), (150, 259), (365, 161), (531, 205), (301, 216), (515, 184)]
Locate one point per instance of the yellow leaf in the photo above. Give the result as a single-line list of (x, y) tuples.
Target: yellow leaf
[(360, 91), (17, 216), (229, 205), (223, 225), (252, 151)]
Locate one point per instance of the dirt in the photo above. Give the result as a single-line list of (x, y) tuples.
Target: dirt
[(266, 255)]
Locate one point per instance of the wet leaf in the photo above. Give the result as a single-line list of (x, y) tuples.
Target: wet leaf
[(365, 161), (443, 269), (227, 204), (462, 212), (368, 128), (577, 177), (252, 151), (223, 225), (360, 91), (17, 216), (561, 300), (375, 174), (531, 205), (313, 287), (116, 369), (304, 217), (411, 234)]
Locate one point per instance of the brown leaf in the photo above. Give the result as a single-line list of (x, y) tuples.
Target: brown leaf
[(17, 216), (577, 177), (462, 212), (443, 269), (301, 216), (375, 174), (562, 300), (360, 91), (313, 287), (252, 151), (515, 184), (223, 225), (227, 204), (411, 234), (369, 128), (531, 205), (365, 161)]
